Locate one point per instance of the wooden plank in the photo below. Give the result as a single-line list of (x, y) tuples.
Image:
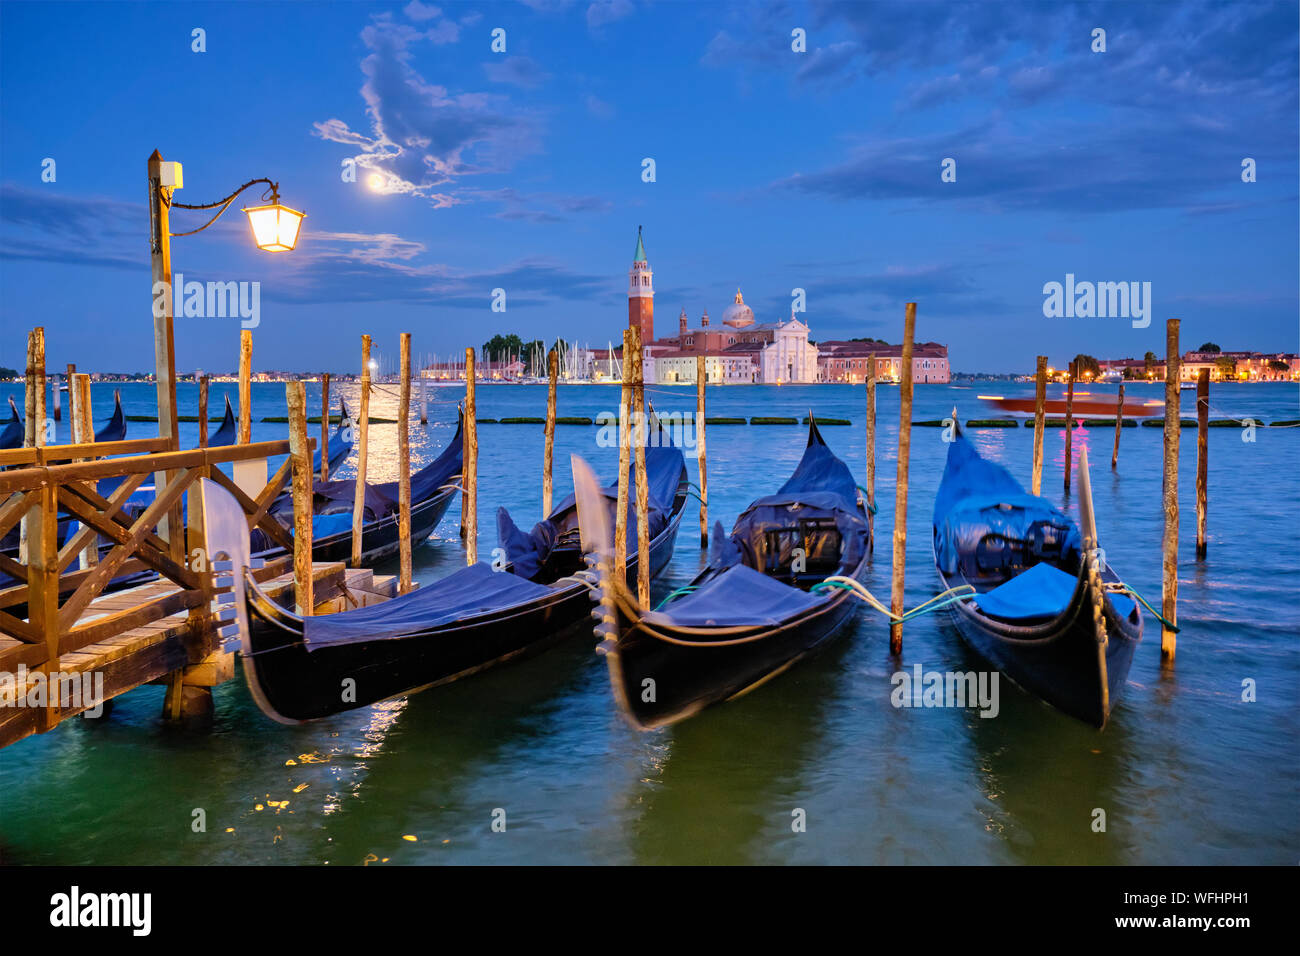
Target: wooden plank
[(325, 427), (701, 374), (108, 567)]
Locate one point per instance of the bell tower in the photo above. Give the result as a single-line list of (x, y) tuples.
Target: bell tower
[(641, 294)]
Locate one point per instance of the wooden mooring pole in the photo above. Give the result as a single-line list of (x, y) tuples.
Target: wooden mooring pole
[(548, 454), (1069, 424), (1202, 458), (404, 469), (205, 382), (1040, 404), (34, 425), (300, 452), (424, 395), (871, 451), (363, 446), (642, 487), (701, 374), (624, 461), (1169, 604), (469, 497), (325, 426), (245, 386), (900, 491), (83, 426), (1119, 425)]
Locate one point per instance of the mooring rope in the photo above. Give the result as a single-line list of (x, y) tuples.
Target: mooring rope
[(1119, 587)]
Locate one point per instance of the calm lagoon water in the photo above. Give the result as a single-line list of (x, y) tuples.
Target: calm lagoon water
[(1187, 772)]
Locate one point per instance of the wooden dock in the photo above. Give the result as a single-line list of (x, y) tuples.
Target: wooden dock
[(150, 653), (76, 631)]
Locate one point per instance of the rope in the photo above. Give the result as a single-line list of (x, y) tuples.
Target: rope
[(685, 589), (1122, 588), (942, 600), (871, 508)]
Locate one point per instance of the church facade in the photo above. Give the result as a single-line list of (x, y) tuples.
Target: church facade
[(737, 350)]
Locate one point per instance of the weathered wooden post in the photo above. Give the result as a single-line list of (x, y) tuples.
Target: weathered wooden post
[(1040, 407), (83, 432), (424, 395), (1069, 424), (404, 469), (469, 497), (245, 386), (34, 406), (1202, 458), (548, 455), (1119, 425), (624, 461), (55, 391), (325, 426), (1169, 605), (363, 446), (870, 379), (900, 491), (300, 452), (701, 374), (204, 382), (34, 425), (642, 487)]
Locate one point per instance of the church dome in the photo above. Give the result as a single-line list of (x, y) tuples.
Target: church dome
[(738, 315)]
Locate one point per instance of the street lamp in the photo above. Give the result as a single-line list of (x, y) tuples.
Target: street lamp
[(275, 229)]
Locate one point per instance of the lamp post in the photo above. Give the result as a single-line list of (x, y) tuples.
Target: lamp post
[(275, 229)]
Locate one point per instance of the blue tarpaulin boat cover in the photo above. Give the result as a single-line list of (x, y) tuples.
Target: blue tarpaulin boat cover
[(1041, 591), (381, 499), (467, 593), (665, 468), (978, 498), (738, 596)]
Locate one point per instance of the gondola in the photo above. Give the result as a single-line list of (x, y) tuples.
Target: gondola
[(11, 436), (340, 441), (756, 610), (227, 432), (115, 428), (473, 619), (1036, 584)]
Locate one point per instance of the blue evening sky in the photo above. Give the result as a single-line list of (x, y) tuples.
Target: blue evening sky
[(775, 170)]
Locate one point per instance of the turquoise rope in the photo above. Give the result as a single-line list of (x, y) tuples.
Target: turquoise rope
[(1128, 589), (685, 589), (871, 508)]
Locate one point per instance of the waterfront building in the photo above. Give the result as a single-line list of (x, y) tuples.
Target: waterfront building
[(841, 361), (737, 349)]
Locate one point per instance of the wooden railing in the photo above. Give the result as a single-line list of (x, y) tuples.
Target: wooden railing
[(50, 483)]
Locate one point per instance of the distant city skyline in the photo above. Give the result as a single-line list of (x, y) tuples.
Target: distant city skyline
[(963, 156)]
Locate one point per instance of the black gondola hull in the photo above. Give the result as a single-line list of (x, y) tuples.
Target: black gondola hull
[(293, 685), (658, 683), (1057, 660)]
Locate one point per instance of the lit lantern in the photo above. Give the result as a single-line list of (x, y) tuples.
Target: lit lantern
[(275, 227)]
